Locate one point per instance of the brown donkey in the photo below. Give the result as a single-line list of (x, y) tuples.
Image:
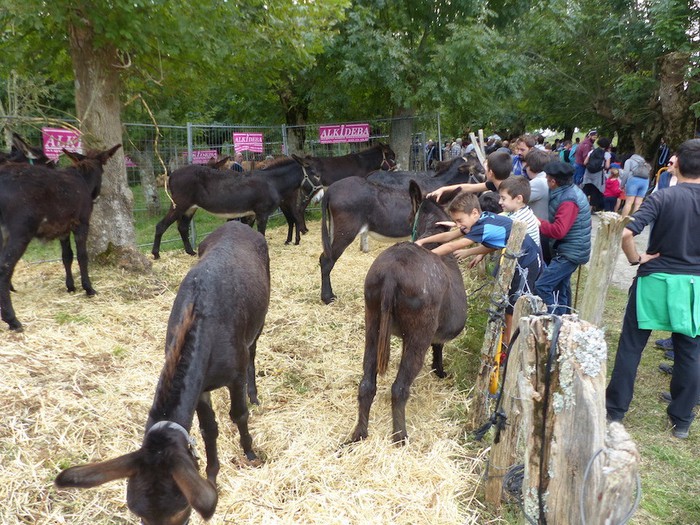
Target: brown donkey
[(414, 294), (213, 329)]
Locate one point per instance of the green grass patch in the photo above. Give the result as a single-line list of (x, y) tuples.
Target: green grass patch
[(67, 318)]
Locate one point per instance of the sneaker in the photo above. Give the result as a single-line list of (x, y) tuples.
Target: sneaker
[(664, 344), (668, 354), (666, 398), (666, 368)]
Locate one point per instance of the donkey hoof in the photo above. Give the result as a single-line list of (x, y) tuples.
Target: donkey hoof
[(328, 300), (90, 292), (156, 255), (440, 373), (15, 326), (191, 252)]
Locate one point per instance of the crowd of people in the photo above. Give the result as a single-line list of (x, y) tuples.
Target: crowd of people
[(555, 189)]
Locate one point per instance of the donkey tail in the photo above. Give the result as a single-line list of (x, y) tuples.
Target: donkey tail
[(385, 318), (326, 226)]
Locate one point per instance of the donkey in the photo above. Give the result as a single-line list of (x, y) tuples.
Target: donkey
[(36, 201), (213, 329), (445, 168), (333, 169), (230, 196), (24, 153), (356, 205), (414, 294)]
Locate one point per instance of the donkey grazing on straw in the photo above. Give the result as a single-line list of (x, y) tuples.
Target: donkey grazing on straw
[(36, 201), (414, 294), (214, 326)]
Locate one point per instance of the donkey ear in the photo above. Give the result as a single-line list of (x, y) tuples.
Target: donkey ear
[(104, 156), (87, 476), (22, 146), (416, 195), (74, 156), (199, 492), (300, 160), (218, 164)]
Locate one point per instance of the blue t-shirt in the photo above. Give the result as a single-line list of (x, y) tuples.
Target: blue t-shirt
[(493, 231)]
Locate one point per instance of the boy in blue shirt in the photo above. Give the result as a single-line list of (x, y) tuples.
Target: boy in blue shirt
[(491, 232)]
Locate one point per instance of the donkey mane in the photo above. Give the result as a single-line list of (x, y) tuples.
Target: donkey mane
[(174, 371), (274, 163)]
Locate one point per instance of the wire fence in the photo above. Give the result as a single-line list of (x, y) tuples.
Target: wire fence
[(153, 150)]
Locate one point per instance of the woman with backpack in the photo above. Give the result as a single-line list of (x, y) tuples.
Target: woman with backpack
[(637, 170), (597, 162)]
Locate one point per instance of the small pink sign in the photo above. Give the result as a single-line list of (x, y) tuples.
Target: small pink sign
[(202, 156), (57, 139), (129, 163), (343, 133), (248, 142)]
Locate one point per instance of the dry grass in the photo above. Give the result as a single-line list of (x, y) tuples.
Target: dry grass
[(76, 386)]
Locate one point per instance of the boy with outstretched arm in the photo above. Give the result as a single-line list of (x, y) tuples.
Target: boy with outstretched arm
[(491, 232), (498, 166)]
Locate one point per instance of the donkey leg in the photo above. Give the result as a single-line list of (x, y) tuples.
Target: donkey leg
[(210, 432), (67, 258), (161, 228), (368, 385), (364, 242), (11, 253), (183, 227), (437, 361), (262, 222), (80, 234), (252, 387), (239, 415), (412, 359)]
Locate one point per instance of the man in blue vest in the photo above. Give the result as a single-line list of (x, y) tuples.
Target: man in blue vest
[(665, 294), (568, 233)]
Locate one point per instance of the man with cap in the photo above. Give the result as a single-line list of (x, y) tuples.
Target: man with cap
[(568, 232), (581, 153)]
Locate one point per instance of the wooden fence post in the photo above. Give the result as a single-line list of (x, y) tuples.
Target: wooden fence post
[(605, 250), (505, 454), (563, 396), (482, 401)]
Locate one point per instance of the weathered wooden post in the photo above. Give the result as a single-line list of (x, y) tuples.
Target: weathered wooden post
[(504, 452), (562, 390), (605, 250), (499, 296)]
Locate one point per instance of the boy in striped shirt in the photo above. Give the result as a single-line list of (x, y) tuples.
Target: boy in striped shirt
[(514, 197)]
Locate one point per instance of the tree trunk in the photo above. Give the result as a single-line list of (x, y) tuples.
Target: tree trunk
[(401, 136), (673, 96), (98, 109), (149, 187)]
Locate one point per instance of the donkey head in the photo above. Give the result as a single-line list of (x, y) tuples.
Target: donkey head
[(472, 166), (163, 482), (428, 216), (23, 152), (388, 157), (91, 165)]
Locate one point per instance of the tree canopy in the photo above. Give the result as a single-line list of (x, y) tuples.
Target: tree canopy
[(627, 67)]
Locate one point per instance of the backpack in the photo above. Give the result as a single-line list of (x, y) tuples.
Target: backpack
[(642, 168), (596, 160)]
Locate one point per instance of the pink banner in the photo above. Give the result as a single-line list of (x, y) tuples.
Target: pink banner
[(56, 139), (343, 133), (248, 142), (202, 156), (129, 163)]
